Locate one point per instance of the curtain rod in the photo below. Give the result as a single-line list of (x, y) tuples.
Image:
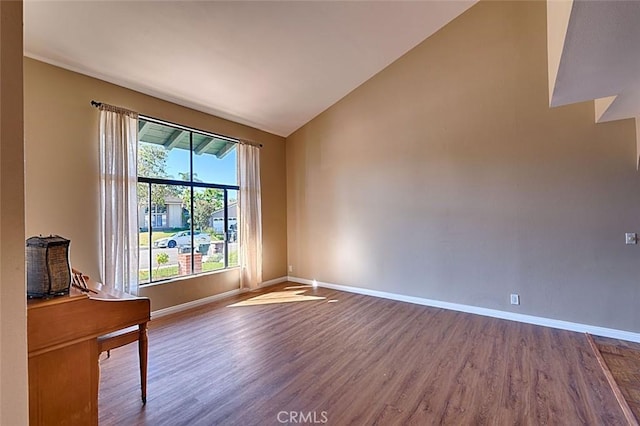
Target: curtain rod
[(102, 105), (127, 111)]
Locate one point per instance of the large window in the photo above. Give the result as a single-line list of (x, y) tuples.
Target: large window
[(187, 201)]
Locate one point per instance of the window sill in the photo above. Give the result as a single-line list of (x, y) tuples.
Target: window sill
[(188, 277)]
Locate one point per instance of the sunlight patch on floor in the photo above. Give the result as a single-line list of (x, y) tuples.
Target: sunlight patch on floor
[(277, 297)]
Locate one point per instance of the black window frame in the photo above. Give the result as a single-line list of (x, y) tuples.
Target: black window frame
[(191, 184)]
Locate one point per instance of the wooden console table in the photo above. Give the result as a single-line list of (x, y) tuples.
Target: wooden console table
[(62, 338)]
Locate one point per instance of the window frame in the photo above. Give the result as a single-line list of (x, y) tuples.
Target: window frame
[(191, 185)]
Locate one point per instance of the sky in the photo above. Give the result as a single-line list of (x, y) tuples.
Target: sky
[(206, 167)]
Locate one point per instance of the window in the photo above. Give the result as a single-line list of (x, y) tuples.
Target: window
[(187, 201)]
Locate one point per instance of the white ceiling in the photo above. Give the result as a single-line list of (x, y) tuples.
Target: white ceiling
[(601, 57), (270, 65)]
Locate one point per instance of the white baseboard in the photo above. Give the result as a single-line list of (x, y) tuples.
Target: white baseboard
[(193, 304), (512, 316), (199, 302)]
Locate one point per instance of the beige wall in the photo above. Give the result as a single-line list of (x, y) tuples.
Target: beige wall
[(446, 176), (13, 314), (61, 131)]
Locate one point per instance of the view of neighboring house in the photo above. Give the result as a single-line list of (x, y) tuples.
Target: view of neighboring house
[(167, 217), (217, 218), (170, 216)]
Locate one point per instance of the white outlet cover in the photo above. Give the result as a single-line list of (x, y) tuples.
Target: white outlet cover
[(631, 238), (515, 299)]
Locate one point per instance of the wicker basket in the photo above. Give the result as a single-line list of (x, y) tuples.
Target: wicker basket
[(48, 270)]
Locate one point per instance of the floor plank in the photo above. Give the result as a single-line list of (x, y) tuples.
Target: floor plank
[(360, 360)]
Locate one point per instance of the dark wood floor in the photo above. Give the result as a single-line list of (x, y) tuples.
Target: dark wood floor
[(360, 360)]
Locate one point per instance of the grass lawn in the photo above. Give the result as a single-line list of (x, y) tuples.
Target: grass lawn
[(211, 266), (171, 271), (159, 273), (233, 258)]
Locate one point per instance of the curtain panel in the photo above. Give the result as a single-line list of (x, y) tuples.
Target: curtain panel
[(118, 199), (250, 216)]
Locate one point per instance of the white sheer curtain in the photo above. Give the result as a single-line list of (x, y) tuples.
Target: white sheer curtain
[(118, 198), (250, 215)]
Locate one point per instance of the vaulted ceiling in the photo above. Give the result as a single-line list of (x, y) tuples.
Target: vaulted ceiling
[(270, 65), (276, 65)]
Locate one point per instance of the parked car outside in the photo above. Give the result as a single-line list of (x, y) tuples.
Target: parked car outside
[(181, 239)]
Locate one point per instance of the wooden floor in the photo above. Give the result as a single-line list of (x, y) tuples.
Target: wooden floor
[(623, 360), (360, 360)]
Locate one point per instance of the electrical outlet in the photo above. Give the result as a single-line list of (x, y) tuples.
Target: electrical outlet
[(631, 238), (515, 299), (290, 268)]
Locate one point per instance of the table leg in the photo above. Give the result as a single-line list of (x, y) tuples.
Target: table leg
[(143, 350)]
